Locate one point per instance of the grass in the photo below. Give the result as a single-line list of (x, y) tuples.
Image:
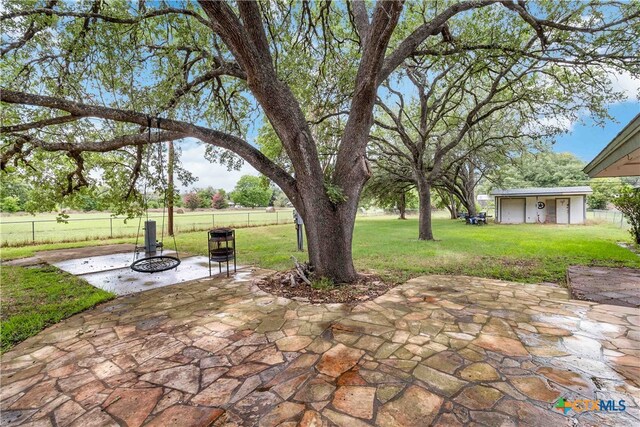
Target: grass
[(33, 298), (17, 228), (322, 284), (524, 253), (36, 297), (14, 252)]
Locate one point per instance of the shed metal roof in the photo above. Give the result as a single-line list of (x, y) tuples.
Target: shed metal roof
[(553, 191)]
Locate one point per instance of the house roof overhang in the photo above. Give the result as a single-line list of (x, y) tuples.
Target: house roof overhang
[(621, 157)]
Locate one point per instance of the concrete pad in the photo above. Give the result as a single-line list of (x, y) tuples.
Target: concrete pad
[(95, 264), (126, 281), (112, 272)]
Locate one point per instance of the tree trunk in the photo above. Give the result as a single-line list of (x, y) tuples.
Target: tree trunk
[(464, 186), (329, 231), (425, 231), (451, 213), (453, 207), (470, 205), (402, 205), (470, 194), (170, 188)]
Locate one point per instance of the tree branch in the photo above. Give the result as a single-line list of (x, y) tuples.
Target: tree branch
[(328, 116), (420, 34), (103, 146), (520, 8), (40, 124), (106, 18), (361, 18), (30, 33), (220, 139)]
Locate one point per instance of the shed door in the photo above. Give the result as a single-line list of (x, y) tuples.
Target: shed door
[(512, 211), (551, 211), (562, 211)]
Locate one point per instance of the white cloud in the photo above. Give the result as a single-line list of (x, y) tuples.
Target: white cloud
[(625, 82), (621, 82), (209, 174), (558, 122)]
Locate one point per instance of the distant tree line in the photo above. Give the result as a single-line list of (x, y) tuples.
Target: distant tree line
[(250, 191)]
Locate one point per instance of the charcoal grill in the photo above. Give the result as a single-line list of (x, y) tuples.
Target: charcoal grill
[(222, 248)]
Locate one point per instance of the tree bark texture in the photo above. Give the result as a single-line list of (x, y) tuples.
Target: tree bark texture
[(453, 207), (402, 205), (329, 234), (425, 231)]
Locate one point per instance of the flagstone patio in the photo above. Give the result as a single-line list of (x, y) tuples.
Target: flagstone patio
[(437, 350)]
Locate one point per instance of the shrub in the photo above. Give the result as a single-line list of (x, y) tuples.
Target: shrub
[(628, 202), (9, 204), (191, 200), (219, 201)]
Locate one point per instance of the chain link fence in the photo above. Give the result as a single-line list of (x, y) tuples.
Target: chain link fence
[(21, 232), (612, 216)]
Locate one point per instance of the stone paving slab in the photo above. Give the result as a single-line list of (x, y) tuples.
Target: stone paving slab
[(437, 350), (614, 286)]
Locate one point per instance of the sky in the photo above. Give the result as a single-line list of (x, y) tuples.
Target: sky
[(584, 139), (209, 174)]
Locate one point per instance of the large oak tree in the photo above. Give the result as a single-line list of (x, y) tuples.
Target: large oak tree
[(209, 69)]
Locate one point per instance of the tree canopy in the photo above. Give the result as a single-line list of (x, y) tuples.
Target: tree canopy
[(250, 192), (542, 169)]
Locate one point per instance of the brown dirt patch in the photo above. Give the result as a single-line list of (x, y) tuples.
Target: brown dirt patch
[(368, 286)]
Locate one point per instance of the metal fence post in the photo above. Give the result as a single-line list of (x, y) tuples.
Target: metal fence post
[(111, 226), (277, 222), (248, 213), (33, 231), (213, 220)]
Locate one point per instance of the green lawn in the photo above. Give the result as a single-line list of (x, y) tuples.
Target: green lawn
[(525, 253), (36, 297), (33, 298)]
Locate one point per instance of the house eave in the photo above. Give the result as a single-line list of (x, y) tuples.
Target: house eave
[(621, 157)]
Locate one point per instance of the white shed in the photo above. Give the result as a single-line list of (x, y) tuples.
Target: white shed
[(559, 205)]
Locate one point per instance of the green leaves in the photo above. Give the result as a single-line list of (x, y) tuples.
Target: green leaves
[(628, 202), (546, 169), (334, 192), (251, 192)]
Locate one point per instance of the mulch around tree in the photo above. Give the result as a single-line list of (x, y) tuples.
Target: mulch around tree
[(368, 286)]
